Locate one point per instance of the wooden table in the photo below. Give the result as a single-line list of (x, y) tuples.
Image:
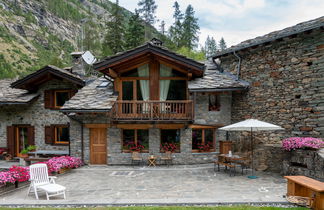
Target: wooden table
[(230, 161), (306, 187), (152, 160)]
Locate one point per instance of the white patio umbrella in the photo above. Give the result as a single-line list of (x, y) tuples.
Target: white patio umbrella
[(251, 125)]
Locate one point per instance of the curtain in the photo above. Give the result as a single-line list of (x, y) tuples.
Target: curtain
[(165, 71), (143, 71)]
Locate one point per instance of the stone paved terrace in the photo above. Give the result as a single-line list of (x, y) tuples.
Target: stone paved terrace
[(112, 185)]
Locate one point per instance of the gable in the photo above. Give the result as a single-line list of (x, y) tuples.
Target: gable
[(146, 53), (45, 74)]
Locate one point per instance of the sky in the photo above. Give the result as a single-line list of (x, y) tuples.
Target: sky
[(238, 20)]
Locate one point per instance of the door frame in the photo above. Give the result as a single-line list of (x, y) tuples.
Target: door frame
[(91, 130)]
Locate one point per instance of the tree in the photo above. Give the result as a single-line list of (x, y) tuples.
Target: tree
[(134, 35), (222, 44), (175, 30), (210, 46), (162, 27), (190, 30), (196, 55), (115, 31), (147, 11)]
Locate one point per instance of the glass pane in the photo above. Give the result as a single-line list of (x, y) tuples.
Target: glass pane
[(209, 138), (139, 92), (61, 97), (23, 138), (128, 139), (196, 138), (62, 134), (170, 140), (143, 138), (127, 90), (131, 73), (177, 90)]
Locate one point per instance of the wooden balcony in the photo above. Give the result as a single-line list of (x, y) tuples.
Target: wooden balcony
[(153, 111)]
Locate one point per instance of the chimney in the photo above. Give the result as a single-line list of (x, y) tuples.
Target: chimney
[(78, 64)]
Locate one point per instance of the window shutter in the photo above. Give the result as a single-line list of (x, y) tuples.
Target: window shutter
[(73, 92), (31, 135), (11, 140), (48, 99), (49, 134)]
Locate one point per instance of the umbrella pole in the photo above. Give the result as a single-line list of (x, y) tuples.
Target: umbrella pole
[(252, 176)]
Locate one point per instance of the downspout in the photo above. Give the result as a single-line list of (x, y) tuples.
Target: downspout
[(238, 65)]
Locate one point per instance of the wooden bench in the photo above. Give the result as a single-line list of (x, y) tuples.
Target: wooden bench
[(306, 187), (231, 166), (38, 159)]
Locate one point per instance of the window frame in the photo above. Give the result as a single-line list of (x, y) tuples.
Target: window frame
[(177, 151), (203, 140), (60, 91), (135, 139), (56, 135)]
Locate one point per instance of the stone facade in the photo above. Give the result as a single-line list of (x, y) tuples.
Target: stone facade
[(35, 115), (115, 156), (287, 89)]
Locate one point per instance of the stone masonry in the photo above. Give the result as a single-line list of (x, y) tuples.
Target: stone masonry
[(36, 115), (287, 88)]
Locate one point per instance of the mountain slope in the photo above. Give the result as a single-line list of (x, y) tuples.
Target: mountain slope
[(34, 33)]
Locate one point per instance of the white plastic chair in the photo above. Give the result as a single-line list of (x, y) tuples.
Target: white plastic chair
[(39, 179)]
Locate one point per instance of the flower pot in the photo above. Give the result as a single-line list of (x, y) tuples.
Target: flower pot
[(63, 170), (23, 155)]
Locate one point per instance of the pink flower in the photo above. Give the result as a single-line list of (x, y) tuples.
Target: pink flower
[(293, 143)]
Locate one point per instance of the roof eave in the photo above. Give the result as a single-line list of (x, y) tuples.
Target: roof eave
[(218, 89), (85, 110)]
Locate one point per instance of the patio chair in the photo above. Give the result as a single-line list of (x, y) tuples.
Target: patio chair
[(39, 180), (167, 158), (136, 158)]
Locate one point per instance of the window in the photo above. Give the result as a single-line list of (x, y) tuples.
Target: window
[(55, 99), (135, 140), (203, 140), (214, 102), (61, 96), (170, 140), (57, 134), (62, 134)]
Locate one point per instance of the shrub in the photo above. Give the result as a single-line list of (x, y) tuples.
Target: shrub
[(6, 177), (56, 163), (293, 143), (19, 173)]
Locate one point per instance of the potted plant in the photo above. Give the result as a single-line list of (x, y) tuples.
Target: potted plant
[(24, 152)]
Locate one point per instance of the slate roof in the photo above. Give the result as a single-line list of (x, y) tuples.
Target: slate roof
[(149, 47), (45, 70), (215, 80), (299, 28), (92, 98), (10, 95)]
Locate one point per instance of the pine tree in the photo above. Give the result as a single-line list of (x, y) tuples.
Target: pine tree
[(210, 46), (222, 44), (147, 11), (134, 35), (190, 30), (162, 27), (115, 30), (175, 30)]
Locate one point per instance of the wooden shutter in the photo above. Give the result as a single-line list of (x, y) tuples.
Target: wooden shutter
[(49, 134), (11, 140), (73, 92), (31, 135), (49, 99)]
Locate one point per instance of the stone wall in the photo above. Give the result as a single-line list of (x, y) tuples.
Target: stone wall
[(36, 115), (286, 88), (304, 162)]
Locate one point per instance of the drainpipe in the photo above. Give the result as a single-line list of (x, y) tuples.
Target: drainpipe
[(238, 65)]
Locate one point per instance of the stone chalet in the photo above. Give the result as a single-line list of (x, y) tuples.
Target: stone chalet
[(156, 100)]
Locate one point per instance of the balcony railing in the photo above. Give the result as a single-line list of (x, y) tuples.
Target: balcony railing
[(153, 110)]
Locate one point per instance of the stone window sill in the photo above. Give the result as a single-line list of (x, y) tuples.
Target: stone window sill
[(205, 153)]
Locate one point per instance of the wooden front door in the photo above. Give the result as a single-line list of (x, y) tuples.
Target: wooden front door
[(98, 146)]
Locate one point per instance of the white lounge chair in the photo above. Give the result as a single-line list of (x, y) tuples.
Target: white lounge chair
[(39, 180)]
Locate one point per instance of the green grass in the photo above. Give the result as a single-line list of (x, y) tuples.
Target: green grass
[(172, 208)]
